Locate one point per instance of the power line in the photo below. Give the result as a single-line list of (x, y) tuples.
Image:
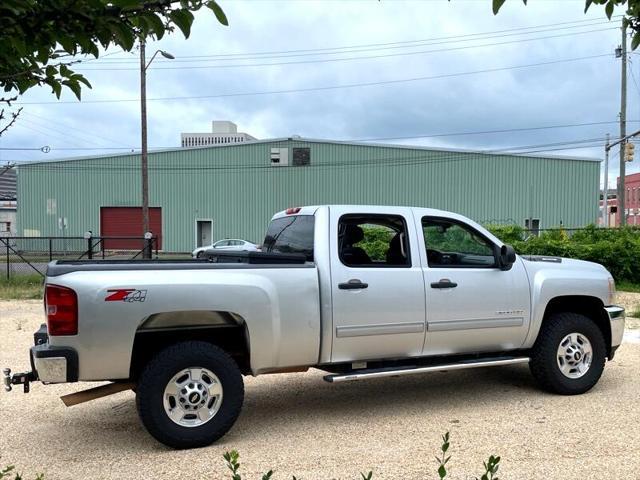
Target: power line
[(368, 139), (71, 165), (325, 88), (483, 132), (90, 137), (400, 44), (346, 59), (49, 131), (318, 52), (597, 140), (433, 135)]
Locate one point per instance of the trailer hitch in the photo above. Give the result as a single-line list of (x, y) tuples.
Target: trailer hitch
[(23, 379)]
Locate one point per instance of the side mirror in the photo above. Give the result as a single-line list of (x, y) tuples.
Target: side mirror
[(507, 257)]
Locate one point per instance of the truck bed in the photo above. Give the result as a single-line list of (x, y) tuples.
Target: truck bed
[(217, 261)]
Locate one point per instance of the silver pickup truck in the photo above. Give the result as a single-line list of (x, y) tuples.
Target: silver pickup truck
[(357, 291)]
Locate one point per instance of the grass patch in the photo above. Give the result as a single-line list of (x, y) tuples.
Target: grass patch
[(21, 287), (624, 286)]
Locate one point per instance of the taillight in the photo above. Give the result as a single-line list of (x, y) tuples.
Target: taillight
[(61, 307), (293, 210)]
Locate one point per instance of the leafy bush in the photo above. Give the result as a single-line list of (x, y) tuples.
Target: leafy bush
[(376, 241), (617, 249), (507, 233)]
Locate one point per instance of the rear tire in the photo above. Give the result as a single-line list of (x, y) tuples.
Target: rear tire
[(569, 355), (189, 395)]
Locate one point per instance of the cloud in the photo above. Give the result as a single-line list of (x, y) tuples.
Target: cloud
[(563, 93)]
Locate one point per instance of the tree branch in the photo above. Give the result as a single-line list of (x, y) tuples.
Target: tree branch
[(14, 117)]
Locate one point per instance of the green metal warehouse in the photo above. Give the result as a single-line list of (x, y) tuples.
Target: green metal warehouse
[(231, 191)]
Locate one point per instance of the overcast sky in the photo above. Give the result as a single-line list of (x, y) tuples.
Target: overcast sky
[(552, 85)]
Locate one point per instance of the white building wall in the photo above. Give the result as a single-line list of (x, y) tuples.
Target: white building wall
[(8, 218), (223, 132)]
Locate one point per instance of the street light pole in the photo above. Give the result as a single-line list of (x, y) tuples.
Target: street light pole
[(143, 130)]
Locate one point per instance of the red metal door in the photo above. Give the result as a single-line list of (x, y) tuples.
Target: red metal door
[(127, 222)]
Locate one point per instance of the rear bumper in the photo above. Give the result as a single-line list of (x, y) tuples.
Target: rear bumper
[(54, 364)]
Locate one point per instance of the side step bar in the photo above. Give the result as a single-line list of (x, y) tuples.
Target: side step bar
[(396, 372)]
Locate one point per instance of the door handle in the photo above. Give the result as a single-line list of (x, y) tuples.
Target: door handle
[(353, 284), (444, 283)]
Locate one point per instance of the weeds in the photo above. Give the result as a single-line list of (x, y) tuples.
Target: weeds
[(490, 466)]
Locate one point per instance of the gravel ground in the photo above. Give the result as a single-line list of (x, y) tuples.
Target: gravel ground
[(298, 424)]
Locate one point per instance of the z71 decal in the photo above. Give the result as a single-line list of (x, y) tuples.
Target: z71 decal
[(126, 295)]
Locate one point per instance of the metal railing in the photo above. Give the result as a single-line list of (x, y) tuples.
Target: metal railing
[(30, 255)]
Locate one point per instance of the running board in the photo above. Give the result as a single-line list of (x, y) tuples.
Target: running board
[(396, 372)]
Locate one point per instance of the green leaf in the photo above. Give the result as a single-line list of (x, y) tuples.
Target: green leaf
[(608, 9), (80, 78), (219, 13), (68, 44), (129, 4), (56, 87), (124, 36), (156, 24), (442, 471), (74, 87), (497, 4), (64, 71), (19, 45), (43, 55), (635, 41), (587, 5), (183, 20)]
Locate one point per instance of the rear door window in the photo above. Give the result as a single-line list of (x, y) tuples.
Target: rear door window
[(370, 240), (292, 234)]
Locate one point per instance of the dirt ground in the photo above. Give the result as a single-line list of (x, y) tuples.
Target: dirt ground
[(299, 424)]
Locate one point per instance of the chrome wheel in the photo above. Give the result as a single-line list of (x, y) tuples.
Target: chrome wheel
[(575, 355), (192, 397)]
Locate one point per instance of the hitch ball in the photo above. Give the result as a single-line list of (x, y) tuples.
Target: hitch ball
[(6, 372)]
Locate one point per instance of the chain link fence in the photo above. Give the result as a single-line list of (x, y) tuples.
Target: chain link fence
[(30, 255)]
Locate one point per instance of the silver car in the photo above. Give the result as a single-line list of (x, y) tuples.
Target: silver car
[(228, 245)]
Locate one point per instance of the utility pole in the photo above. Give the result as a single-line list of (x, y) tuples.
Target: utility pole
[(143, 129), (623, 126), (605, 196)]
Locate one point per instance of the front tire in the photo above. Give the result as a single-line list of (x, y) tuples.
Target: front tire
[(569, 355), (189, 395)]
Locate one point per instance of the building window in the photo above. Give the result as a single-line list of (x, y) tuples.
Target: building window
[(5, 226), (301, 156)]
